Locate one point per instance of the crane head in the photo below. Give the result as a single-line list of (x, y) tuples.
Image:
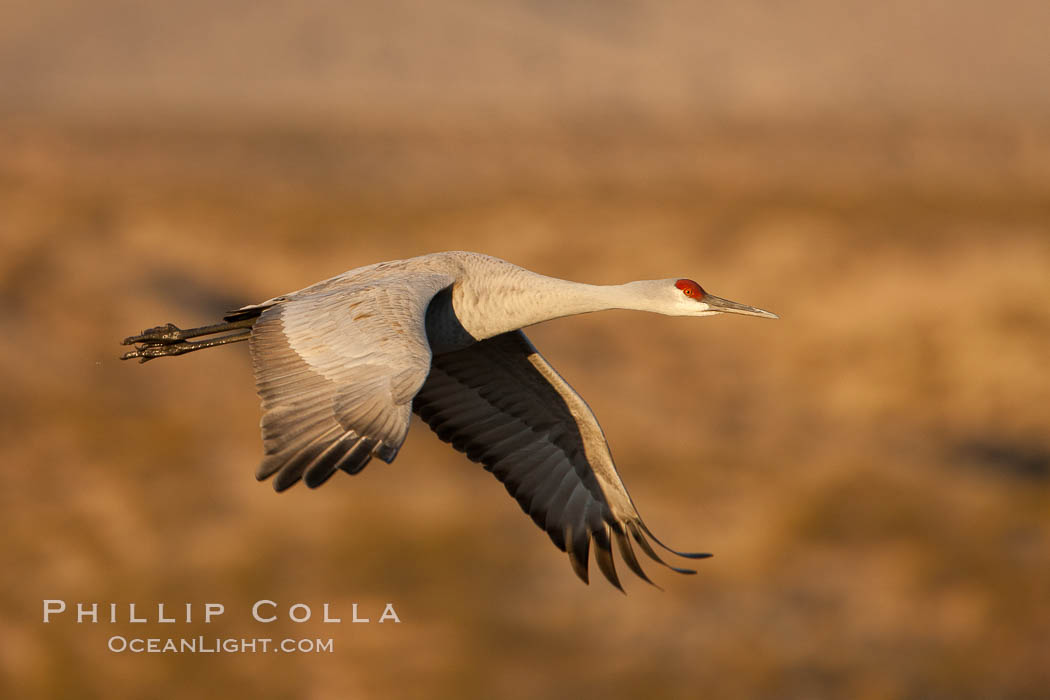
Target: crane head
[(692, 300)]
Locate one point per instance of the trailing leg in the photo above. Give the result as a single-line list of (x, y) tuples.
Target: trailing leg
[(170, 340)]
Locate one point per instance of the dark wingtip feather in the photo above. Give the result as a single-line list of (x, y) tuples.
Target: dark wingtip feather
[(327, 463), (316, 478), (384, 451), (357, 457), (578, 549), (579, 568), (269, 466), (648, 549), (603, 555), (627, 552), (285, 479), (687, 555)]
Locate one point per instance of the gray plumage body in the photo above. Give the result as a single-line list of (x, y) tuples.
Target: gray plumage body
[(341, 364)]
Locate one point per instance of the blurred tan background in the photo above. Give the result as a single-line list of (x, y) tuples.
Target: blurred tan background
[(871, 471)]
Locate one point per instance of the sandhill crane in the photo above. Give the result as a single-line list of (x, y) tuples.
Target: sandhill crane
[(341, 364)]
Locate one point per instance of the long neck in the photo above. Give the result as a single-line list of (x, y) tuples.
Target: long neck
[(517, 298)]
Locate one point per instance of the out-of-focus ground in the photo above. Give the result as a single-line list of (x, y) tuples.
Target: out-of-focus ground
[(872, 471)]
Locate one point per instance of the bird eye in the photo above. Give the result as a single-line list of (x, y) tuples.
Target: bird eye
[(690, 288)]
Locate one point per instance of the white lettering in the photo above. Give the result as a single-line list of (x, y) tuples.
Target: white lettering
[(259, 604), (117, 641), (212, 610), (291, 612), (82, 612), (327, 617), (389, 614), (53, 607), (263, 610)]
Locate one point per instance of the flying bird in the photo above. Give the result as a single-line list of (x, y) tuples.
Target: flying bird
[(341, 365)]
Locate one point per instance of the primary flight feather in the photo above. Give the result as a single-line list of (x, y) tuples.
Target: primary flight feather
[(341, 365)]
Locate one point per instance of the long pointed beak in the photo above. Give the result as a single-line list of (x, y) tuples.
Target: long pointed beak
[(732, 307)]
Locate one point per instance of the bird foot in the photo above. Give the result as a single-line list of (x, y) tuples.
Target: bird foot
[(155, 342), (166, 334), (170, 340)]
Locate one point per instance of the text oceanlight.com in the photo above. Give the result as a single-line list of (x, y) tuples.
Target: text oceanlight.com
[(215, 645)]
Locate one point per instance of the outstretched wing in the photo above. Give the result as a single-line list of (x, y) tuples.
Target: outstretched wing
[(502, 403), (336, 367)]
